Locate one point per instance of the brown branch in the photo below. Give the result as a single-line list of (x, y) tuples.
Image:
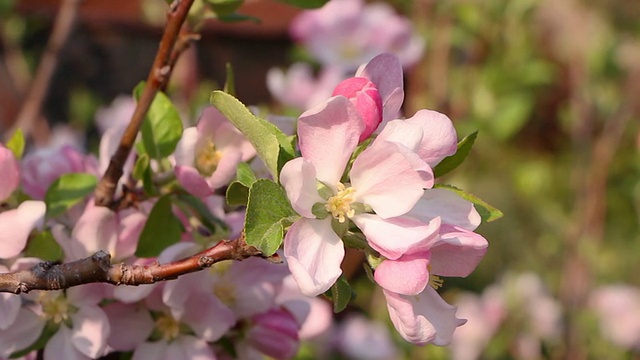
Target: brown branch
[(32, 106), (98, 269), (157, 79)]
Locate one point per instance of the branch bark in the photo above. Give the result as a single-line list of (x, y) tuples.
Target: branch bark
[(156, 80), (98, 269)]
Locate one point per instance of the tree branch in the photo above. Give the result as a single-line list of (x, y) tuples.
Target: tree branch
[(157, 79), (65, 20), (98, 269)]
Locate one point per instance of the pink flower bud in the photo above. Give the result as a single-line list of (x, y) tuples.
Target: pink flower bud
[(365, 96), (275, 333), (10, 178)]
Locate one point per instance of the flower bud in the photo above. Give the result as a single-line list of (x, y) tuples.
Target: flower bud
[(275, 334), (10, 178), (365, 96)]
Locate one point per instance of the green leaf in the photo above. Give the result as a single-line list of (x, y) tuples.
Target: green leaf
[(268, 211), (142, 171), (43, 246), (340, 294), (487, 212), (224, 7), (161, 229), (68, 190), (162, 127), (306, 4), (451, 162), (272, 146), (16, 144), (238, 190), (215, 225)]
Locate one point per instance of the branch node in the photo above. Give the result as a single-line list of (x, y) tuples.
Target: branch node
[(205, 261)]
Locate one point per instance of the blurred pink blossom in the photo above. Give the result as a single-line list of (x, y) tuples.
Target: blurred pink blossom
[(43, 166), (363, 339), (10, 179), (16, 226), (347, 33), (299, 88), (274, 333), (618, 309)]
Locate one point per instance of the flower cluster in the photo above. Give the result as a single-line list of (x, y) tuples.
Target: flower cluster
[(341, 36), (349, 185)]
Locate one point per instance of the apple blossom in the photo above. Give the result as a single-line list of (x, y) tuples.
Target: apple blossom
[(10, 179), (208, 154), (347, 33), (618, 310)]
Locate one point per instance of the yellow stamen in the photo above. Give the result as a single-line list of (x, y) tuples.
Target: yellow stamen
[(339, 205), (435, 281), (55, 308), (207, 158), (168, 327)]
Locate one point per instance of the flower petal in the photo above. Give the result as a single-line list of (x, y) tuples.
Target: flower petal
[(458, 252), (96, 230), (192, 181), (385, 71), (16, 225), (440, 139), (407, 275), (22, 333), (449, 206), (327, 135), (90, 331), (314, 253), (386, 180), (423, 318), (130, 325), (396, 236), (298, 177), (185, 152), (10, 171)]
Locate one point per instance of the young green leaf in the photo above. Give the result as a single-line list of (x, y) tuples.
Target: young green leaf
[(487, 212), (201, 211), (68, 190), (162, 128), (451, 162), (238, 190), (16, 144), (340, 294), (268, 211), (272, 146), (161, 229)]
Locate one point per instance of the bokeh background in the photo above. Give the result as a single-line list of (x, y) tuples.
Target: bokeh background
[(552, 86)]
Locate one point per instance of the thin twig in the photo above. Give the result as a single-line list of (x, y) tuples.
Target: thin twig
[(98, 269), (157, 79), (32, 106)]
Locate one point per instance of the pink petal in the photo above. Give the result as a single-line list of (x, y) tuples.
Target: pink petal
[(440, 139), (386, 72), (23, 332), (458, 252), (424, 318), (365, 97), (449, 206), (10, 171), (327, 135), (90, 331), (192, 181), (298, 177), (228, 138), (226, 169), (407, 275), (96, 230), (386, 180), (313, 252), (60, 346), (130, 325), (208, 325), (16, 225), (396, 236), (185, 152)]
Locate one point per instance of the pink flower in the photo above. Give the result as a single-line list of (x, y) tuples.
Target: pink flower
[(365, 97), (298, 88), (363, 339), (10, 179), (347, 33), (382, 178), (274, 333), (207, 155), (423, 318), (42, 167), (16, 226), (618, 310)]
